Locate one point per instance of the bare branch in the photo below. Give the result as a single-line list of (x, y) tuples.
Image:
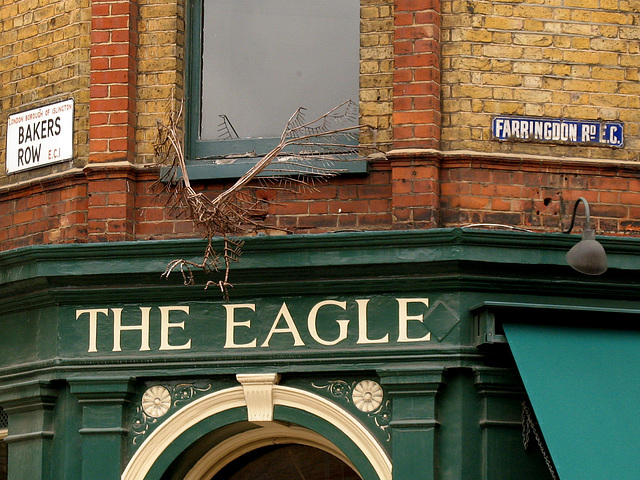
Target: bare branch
[(237, 211)]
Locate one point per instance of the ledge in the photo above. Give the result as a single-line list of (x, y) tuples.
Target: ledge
[(508, 157), (233, 168)]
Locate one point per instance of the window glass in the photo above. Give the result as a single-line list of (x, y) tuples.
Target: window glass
[(262, 59)]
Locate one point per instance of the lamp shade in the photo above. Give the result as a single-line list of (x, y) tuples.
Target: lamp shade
[(588, 256)]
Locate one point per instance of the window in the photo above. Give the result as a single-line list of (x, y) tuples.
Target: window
[(254, 62)]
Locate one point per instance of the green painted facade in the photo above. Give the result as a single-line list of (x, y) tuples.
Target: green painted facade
[(89, 328)]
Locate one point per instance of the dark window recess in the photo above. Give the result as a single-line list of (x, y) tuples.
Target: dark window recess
[(4, 419), (277, 462), (4, 454)]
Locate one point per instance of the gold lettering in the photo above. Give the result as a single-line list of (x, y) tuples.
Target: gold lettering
[(232, 324), (404, 318), (313, 318), (93, 325), (143, 327), (363, 335), (284, 313), (165, 325)]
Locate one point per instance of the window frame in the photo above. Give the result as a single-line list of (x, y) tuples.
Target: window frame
[(222, 159)]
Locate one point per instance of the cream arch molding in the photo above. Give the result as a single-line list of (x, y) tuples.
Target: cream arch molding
[(259, 393), (271, 433)]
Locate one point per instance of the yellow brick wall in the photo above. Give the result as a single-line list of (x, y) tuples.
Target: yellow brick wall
[(161, 68), (555, 58), (376, 70), (44, 58), (575, 59)]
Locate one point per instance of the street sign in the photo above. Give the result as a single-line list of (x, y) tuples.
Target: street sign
[(558, 131), (40, 136)]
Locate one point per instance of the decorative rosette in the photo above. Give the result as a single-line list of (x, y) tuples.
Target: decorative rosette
[(156, 401), (367, 396)]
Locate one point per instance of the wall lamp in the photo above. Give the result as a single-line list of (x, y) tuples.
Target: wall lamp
[(587, 256)]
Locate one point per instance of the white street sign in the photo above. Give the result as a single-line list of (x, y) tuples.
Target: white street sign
[(40, 137)]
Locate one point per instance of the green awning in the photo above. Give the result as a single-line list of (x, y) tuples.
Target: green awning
[(584, 386)]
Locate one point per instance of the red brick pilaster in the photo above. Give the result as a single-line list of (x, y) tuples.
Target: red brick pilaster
[(114, 40), (415, 186), (111, 210), (416, 79)]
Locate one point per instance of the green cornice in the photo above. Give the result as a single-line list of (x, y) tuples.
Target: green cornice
[(457, 268), (186, 365), (441, 259)]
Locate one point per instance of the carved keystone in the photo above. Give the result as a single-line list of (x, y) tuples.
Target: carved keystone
[(258, 393)]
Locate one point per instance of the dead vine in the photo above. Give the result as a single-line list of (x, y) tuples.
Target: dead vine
[(307, 153)]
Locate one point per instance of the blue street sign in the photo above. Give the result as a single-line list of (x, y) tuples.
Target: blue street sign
[(560, 131)]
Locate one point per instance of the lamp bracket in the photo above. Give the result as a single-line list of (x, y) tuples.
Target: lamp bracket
[(587, 215)]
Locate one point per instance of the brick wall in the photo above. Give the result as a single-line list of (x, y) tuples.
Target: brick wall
[(45, 57), (114, 42), (523, 193), (416, 105), (575, 59), (161, 66), (432, 76), (376, 71), (106, 202), (347, 203)]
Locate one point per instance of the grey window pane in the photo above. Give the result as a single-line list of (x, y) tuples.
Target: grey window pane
[(262, 59)]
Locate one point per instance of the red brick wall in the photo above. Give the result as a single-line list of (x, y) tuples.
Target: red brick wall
[(360, 202), (538, 195), (115, 202), (43, 212), (112, 116), (416, 78)]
